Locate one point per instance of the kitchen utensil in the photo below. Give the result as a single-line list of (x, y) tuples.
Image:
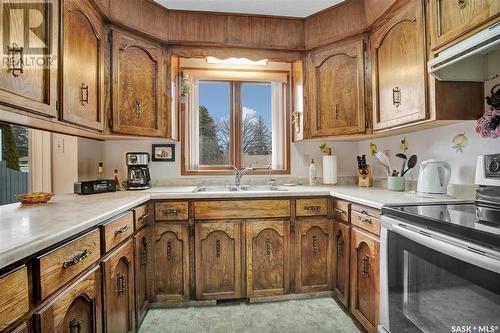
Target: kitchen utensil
[(384, 160), (404, 158), (433, 177), (412, 161)]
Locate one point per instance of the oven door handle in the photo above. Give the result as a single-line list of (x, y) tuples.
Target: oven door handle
[(445, 245)]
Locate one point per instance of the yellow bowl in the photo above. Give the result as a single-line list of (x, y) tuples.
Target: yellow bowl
[(34, 197)]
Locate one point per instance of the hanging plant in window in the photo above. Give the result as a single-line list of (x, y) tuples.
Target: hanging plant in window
[(488, 126)]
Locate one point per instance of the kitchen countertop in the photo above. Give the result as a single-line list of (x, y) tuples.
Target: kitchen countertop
[(26, 230)]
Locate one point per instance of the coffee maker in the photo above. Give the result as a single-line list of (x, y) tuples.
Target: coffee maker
[(138, 177)]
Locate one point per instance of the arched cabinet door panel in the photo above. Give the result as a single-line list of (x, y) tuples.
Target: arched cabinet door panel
[(341, 261), (365, 249), (82, 65), (142, 257), (218, 260), (267, 257), (76, 309)]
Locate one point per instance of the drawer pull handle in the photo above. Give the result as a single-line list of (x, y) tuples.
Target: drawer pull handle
[(363, 218), (120, 283), (337, 111), (121, 230), (340, 211), (169, 250), (142, 217), (77, 258), (340, 247), (138, 108), (217, 248), (16, 59), (312, 208), (171, 211), (366, 266), (268, 247), (84, 94), (75, 326), (396, 96), (315, 245)]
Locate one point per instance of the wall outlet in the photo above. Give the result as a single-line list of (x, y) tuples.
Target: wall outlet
[(60, 145)]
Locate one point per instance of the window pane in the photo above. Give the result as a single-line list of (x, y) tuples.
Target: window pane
[(215, 123), (14, 162), (256, 130)]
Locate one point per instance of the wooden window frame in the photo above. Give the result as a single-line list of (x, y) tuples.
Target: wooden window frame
[(235, 140)]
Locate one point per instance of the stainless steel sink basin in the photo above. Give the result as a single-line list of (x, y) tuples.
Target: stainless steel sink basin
[(212, 189)]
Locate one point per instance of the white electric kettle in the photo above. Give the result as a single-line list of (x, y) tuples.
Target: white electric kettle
[(433, 177)]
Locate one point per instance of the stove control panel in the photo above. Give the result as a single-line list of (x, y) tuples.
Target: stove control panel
[(492, 166)]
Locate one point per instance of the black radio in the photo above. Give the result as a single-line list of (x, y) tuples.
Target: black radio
[(94, 186)]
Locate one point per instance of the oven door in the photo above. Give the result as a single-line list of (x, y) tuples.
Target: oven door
[(433, 283)]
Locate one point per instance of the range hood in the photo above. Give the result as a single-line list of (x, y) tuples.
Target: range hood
[(475, 59)]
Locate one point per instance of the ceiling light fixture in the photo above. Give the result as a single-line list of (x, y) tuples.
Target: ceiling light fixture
[(237, 61)]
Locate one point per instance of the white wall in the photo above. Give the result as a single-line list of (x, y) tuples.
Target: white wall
[(64, 162), (90, 153)]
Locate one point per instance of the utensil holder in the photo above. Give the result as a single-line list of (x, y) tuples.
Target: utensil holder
[(395, 183)]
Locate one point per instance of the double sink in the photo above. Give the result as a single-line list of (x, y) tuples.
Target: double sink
[(231, 188)]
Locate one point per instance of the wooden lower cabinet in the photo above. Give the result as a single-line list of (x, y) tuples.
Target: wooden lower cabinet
[(76, 309), (141, 269), (171, 242), (365, 249), (341, 261), (267, 257), (118, 269), (218, 260), (313, 255)]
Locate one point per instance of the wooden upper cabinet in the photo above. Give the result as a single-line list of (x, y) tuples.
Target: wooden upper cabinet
[(28, 73), (268, 257), (450, 20), (313, 255), (218, 260), (138, 88), (365, 253), (118, 284), (341, 258), (82, 65), (399, 73), (76, 309), (338, 90), (171, 260)]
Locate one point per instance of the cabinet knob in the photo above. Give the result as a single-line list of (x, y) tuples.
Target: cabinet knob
[(16, 59), (77, 258), (84, 94), (462, 4)]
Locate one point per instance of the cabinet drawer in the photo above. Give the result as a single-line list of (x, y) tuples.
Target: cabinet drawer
[(14, 299), (171, 210), (366, 218), (341, 210), (235, 209), (311, 207), (118, 230), (64, 263), (141, 216)]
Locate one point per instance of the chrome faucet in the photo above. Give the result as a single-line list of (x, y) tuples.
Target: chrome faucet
[(272, 181), (238, 174)]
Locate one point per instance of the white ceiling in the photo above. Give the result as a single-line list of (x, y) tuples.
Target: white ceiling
[(293, 8)]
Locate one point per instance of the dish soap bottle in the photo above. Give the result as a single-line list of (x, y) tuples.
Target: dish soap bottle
[(100, 172), (312, 173)]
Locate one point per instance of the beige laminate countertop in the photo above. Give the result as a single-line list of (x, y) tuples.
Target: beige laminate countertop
[(26, 230)]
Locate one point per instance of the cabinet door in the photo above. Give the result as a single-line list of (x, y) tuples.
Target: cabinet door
[(171, 262), (449, 20), (341, 261), (267, 258), (142, 279), (313, 255), (28, 73), (76, 309), (365, 250), (218, 260), (82, 65), (138, 89), (338, 88), (399, 75), (118, 268)]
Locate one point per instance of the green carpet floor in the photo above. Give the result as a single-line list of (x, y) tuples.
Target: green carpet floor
[(309, 315)]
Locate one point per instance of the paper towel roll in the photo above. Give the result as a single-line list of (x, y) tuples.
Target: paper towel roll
[(329, 169)]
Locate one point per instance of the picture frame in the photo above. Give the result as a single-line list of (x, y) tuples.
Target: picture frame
[(163, 153)]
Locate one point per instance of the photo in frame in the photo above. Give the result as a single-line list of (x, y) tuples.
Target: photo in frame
[(163, 153)]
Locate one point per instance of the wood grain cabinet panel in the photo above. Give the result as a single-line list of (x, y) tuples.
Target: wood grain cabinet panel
[(30, 84), (117, 231), (399, 76), (311, 207), (237, 209), (138, 86), (171, 211), (449, 20), (366, 218), (142, 249), (313, 256), (64, 263), (118, 269), (337, 88), (218, 260), (171, 260), (142, 214), (76, 309), (341, 210), (365, 251), (14, 296), (341, 261), (267, 258), (82, 65)]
